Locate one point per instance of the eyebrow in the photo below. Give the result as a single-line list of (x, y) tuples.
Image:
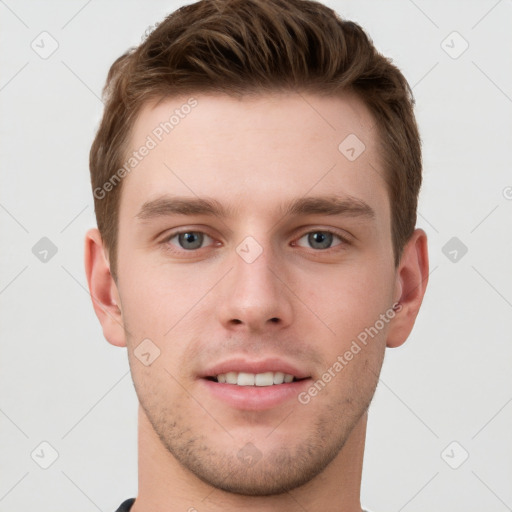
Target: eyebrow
[(319, 205)]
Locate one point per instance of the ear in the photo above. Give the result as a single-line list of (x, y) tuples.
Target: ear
[(411, 283), (103, 289)]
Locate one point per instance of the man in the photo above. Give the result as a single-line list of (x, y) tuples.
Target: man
[(255, 175)]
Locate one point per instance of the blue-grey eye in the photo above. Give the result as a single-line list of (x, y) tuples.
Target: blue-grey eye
[(320, 239), (190, 240)]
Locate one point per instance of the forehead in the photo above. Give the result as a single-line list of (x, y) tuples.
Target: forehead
[(254, 151)]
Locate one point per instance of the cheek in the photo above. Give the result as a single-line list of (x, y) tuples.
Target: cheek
[(356, 340), (162, 304), (353, 299), (154, 296)]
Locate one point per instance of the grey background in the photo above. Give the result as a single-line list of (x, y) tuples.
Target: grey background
[(63, 384)]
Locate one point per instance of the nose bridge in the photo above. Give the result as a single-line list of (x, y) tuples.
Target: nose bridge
[(254, 296), (253, 264)]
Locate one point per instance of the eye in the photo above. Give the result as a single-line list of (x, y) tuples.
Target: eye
[(321, 239), (188, 240)]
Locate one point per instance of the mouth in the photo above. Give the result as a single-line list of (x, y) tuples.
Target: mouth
[(255, 385), (254, 379)]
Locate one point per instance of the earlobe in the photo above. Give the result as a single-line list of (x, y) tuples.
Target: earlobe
[(103, 289), (412, 279)]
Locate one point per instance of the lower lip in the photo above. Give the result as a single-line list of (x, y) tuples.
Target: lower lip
[(255, 398)]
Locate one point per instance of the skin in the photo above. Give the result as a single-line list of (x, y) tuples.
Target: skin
[(296, 301)]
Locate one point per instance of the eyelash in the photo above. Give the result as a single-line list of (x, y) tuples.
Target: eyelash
[(171, 248)]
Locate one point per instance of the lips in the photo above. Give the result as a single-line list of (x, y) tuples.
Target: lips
[(249, 373), (254, 385), (254, 379)]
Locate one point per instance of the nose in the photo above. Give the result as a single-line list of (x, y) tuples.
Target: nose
[(255, 293)]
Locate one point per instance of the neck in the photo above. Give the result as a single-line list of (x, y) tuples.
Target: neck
[(166, 486)]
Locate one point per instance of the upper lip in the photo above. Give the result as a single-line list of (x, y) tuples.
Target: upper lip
[(255, 366)]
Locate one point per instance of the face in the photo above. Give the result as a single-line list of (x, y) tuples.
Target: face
[(252, 245)]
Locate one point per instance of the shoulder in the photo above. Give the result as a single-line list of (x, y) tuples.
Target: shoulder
[(126, 505)]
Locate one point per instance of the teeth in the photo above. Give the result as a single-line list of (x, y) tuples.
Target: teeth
[(264, 379), (231, 378), (254, 379), (245, 379), (278, 378)]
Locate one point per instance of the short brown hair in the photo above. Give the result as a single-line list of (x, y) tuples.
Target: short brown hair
[(255, 46)]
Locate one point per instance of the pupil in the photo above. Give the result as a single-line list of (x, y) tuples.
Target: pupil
[(320, 238), (191, 240)]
